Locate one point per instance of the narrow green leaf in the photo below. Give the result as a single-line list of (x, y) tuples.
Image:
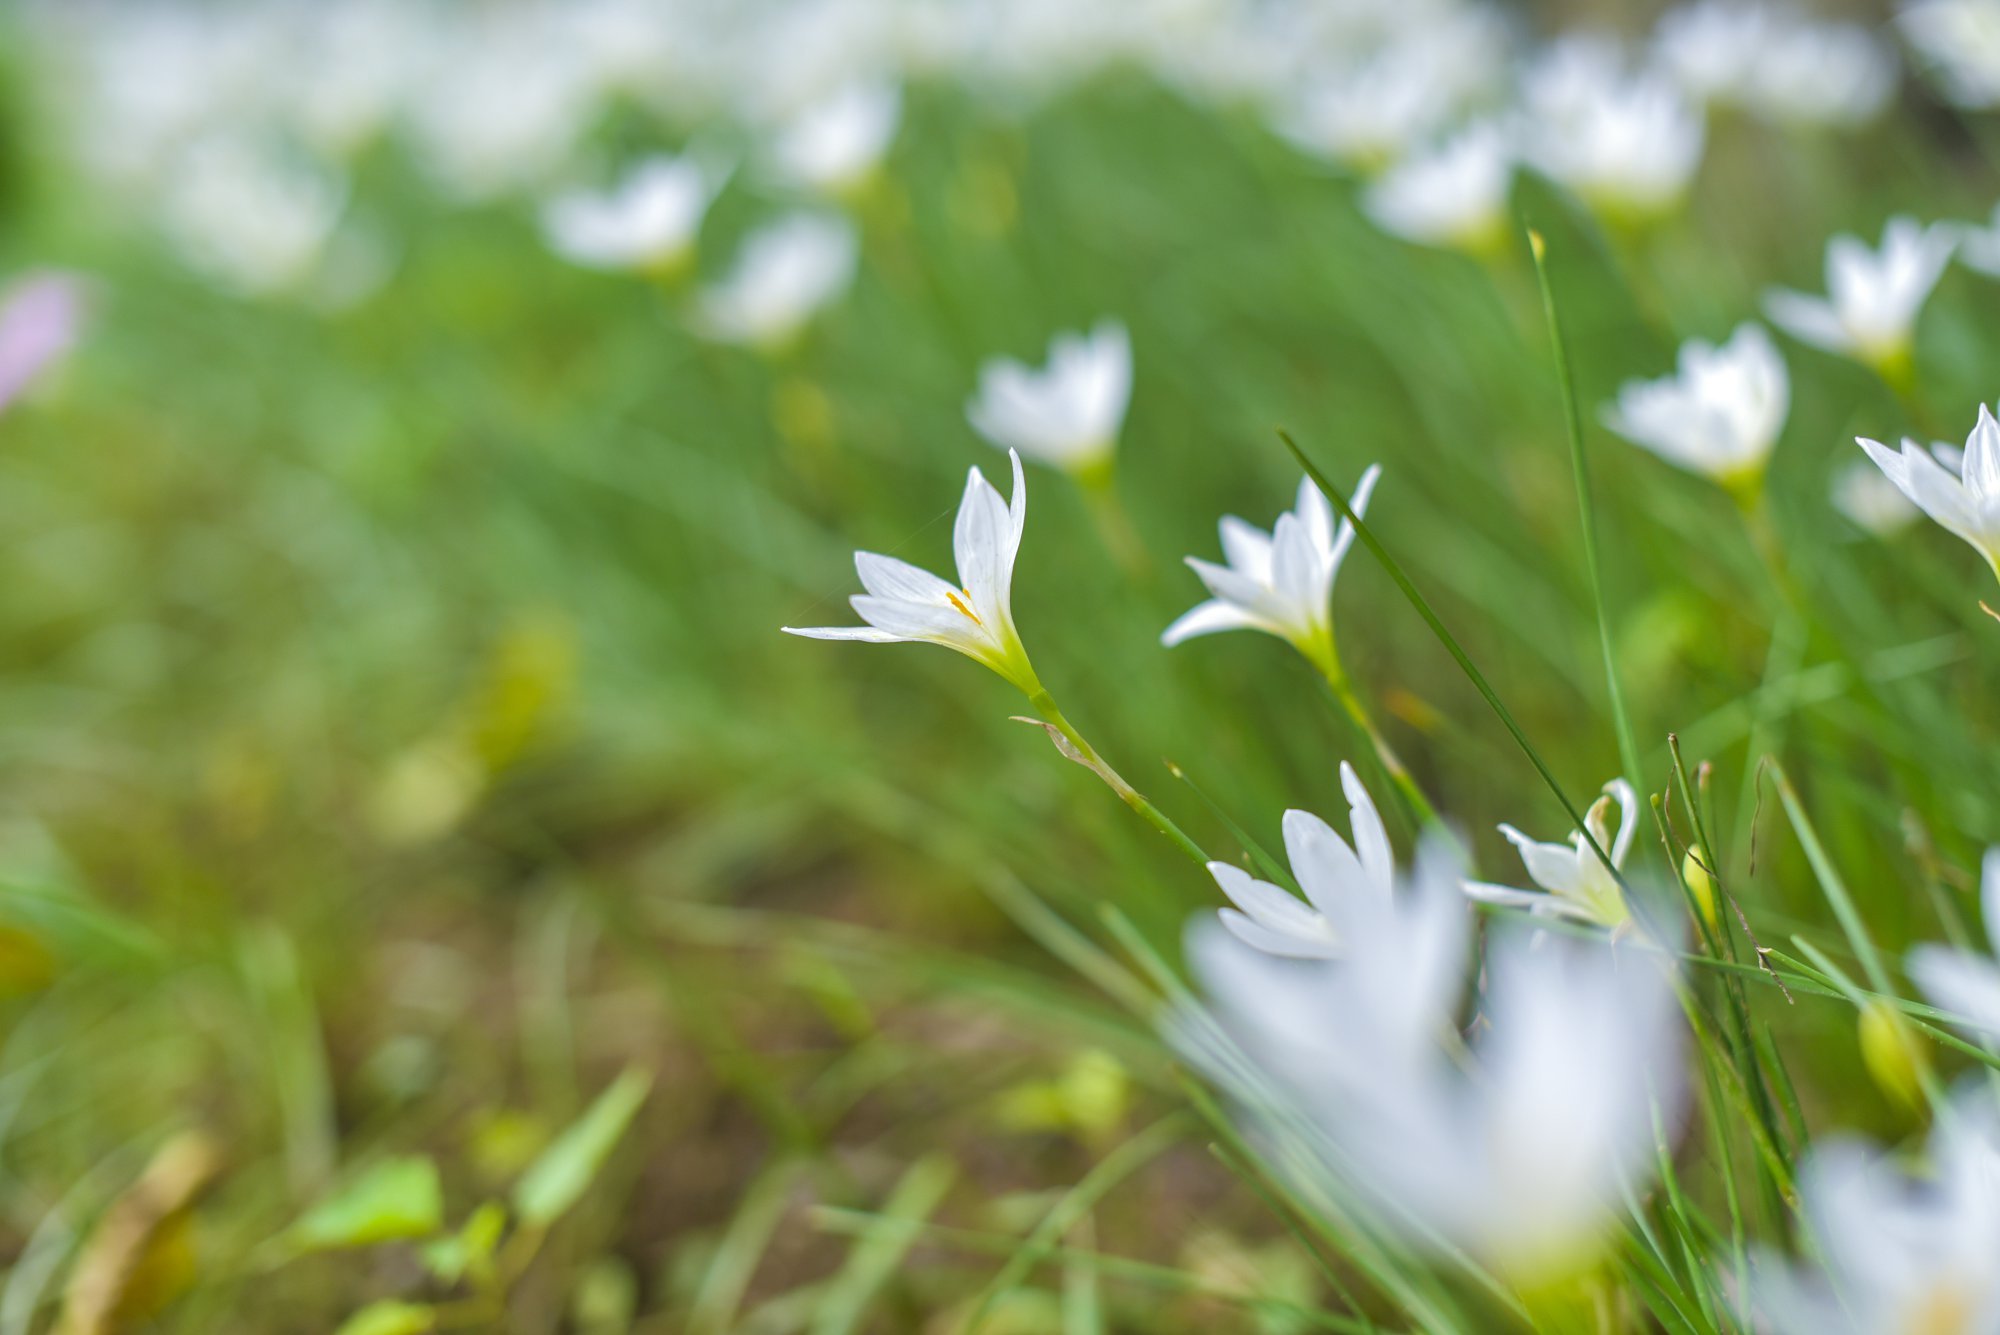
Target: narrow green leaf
[(881, 1248), (555, 1181)]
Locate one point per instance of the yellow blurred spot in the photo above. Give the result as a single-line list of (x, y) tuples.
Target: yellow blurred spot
[(1702, 886), (1945, 1310), (1088, 1099), (803, 414), (26, 965), (1889, 1051)]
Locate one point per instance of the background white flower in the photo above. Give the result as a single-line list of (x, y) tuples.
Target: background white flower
[(783, 274), (1863, 493), (1870, 309), (1960, 981), (648, 220), (834, 144), (1965, 500), (1454, 194), (1719, 414), (1960, 41), (1624, 139), (1066, 413)]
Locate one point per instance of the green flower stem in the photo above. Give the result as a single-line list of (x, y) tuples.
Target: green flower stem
[(1328, 662), (1097, 482), (1074, 746)]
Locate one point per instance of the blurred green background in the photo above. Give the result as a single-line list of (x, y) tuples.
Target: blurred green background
[(398, 742)]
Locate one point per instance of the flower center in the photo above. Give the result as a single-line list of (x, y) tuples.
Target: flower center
[(965, 606)]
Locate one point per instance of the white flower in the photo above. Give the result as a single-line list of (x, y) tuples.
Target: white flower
[(646, 221), (783, 274), (1823, 74), (1330, 871), (1960, 981), (1367, 114), (1524, 1159), (1452, 195), (251, 219), (1574, 882), (1279, 582), (1979, 246), (1870, 309), (1902, 1255), (907, 605), (1863, 493), (1960, 41), (1719, 414), (1623, 139), (1965, 501), (1776, 61), (1068, 413), (833, 145)]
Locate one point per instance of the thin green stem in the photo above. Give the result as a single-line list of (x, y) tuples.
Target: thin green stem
[(1628, 748), (1328, 664), (1072, 744)]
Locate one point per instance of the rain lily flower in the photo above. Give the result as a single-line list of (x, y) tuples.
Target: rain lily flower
[(1279, 582), (1776, 62), (1332, 873), (249, 218), (1575, 882), (1960, 41), (1966, 499), (1900, 1253), (1625, 140), (1067, 413), (1979, 246), (1523, 1159), (646, 222), (1718, 415), (976, 616), (834, 145), (1863, 493), (783, 274), (1870, 310), (1960, 981), (1452, 195), (39, 319)]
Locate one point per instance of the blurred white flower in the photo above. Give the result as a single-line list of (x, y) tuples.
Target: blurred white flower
[(1870, 310), (1574, 882), (1624, 139), (1454, 194), (250, 218), (1719, 414), (783, 274), (1960, 981), (1979, 245), (647, 221), (1960, 41), (1279, 582), (1776, 61), (1523, 1159), (1066, 413), (40, 316), (498, 106), (1327, 868), (907, 605), (1366, 115), (835, 144), (1901, 1254), (1965, 500), (1863, 493)]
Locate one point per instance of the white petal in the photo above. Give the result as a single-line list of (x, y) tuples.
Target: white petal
[(1325, 866), (869, 634), (1275, 908), (1551, 866), (887, 577), (1253, 933), (1209, 618), (1371, 839), (1965, 984), (1989, 894)]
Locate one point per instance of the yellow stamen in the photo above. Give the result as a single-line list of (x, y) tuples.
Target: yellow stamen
[(965, 606)]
